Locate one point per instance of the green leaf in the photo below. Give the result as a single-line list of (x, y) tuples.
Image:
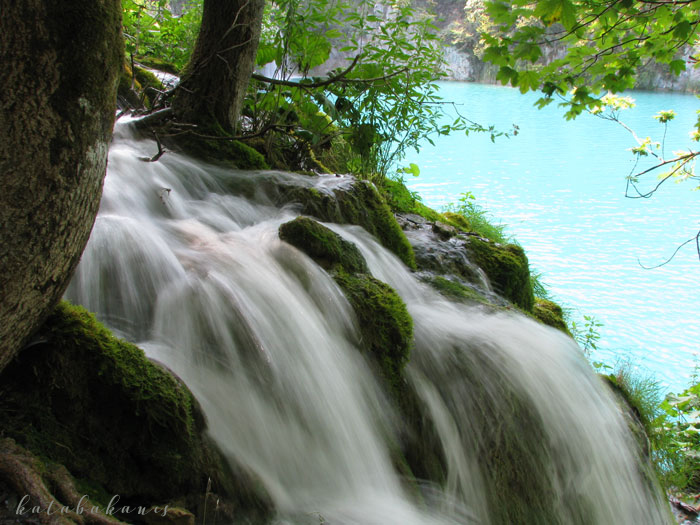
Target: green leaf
[(333, 33), (682, 30), (507, 74), (412, 168), (528, 81), (497, 55), (677, 66)]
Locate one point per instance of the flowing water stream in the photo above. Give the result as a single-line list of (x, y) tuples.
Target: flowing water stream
[(198, 277)]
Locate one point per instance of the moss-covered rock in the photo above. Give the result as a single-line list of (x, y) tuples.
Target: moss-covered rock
[(641, 429), (288, 152), (326, 247), (215, 145), (128, 96), (85, 399), (456, 290), (550, 313), (137, 86), (358, 203), (158, 63), (507, 269), (457, 220), (386, 328), (400, 199)]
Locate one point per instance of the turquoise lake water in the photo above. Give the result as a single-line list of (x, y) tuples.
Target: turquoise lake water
[(559, 186)]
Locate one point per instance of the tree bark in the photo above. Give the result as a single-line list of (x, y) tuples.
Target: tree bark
[(60, 62), (214, 84)]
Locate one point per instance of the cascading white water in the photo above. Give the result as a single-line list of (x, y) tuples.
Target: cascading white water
[(267, 342)]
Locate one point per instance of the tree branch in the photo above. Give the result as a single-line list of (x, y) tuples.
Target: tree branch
[(289, 83), (697, 248), (339, 78)]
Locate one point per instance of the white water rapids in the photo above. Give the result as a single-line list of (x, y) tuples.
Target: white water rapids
[(265, 339)]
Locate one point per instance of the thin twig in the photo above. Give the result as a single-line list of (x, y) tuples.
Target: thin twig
[(697, 248)]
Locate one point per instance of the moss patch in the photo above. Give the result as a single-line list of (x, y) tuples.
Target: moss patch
[(214, 145), (506, 267), (326, 247), (550, 313), (359, 204), (96, 404), (456, 290), (158, 63), (457, 220), (402, 200), (386, 328), (144, 84)]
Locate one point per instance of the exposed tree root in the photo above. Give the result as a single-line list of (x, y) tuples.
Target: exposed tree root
[(30, 480)]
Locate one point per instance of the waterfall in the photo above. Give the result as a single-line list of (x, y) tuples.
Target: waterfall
[(185, 260)]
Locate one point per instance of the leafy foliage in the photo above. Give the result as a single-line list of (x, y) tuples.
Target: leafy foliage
[(604, 45), (606, 42), (478, 218), (362, 116), (587, 336), (682, 428), (151, 29)]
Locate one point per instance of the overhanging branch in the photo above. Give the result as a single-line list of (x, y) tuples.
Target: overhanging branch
[(339, 78)]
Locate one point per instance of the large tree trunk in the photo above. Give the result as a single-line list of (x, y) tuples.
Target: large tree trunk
[(58, 82), (213, 86)]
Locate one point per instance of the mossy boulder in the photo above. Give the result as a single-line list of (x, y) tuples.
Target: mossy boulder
[(94, 403), (158, 64), (386, 328), (550, 313), (640, 429), (456, 290), (507, 268), (137, 86), (357, 203), (458, 220), (212, 144), (400, 199), (323, 245)]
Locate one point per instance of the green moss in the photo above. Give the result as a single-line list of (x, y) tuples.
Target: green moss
[(386, 327), (550, 313), (326, 247), (458, 221), (359, 204), (95, 404), (215, 145), (158, 63), (124, 88), (507, 269), (401, 199), (456, 290), (366, 207), (147, 79), (144, 83)]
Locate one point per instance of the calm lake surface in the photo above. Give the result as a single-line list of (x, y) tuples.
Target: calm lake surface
[(559, 186)]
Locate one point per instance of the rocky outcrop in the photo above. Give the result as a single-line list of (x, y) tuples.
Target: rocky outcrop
[(461, 263)]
